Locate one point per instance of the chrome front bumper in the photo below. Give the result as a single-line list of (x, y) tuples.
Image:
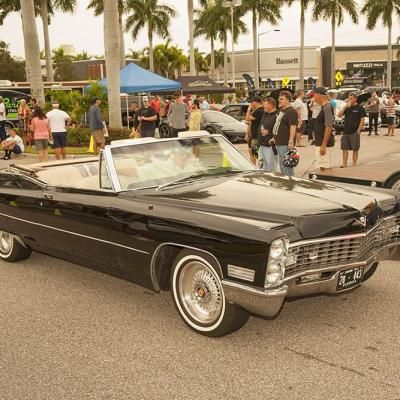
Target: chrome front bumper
[(268, 302)]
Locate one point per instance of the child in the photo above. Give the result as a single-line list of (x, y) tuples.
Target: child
[(12, 144)]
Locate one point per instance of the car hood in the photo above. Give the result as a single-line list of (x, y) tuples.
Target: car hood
[(255, 201)]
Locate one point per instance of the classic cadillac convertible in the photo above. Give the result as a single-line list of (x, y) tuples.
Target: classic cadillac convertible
[(192, 215)]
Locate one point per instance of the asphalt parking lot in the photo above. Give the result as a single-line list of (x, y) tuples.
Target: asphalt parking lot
[(67, 332)]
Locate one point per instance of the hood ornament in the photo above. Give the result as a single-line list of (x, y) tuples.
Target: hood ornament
[(362, 221)]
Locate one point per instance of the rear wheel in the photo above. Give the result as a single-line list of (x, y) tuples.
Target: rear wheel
[(393, 182), (199, 297), (211, 130), (11, 249)]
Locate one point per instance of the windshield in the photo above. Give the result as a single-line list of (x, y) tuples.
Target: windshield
[(159, 163), (217, 117)]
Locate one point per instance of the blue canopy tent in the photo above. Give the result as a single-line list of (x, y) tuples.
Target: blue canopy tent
[(135, 79)]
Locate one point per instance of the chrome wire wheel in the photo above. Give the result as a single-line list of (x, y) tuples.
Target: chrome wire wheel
[(200, 292), (6, 244)]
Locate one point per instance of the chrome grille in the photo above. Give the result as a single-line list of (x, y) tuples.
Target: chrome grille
[(342, 250)]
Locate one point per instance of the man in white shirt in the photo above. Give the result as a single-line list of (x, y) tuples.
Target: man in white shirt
[(13, 144), (302, 113), (3, 117), (204, 105), (59, 122)]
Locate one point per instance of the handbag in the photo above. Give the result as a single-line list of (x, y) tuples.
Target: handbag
[(135, 134)]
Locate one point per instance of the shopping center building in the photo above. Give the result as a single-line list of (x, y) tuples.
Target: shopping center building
[(277, 64)]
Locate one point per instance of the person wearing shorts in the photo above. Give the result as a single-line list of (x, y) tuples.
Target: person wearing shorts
[(41, 133), (12, 144), (354, 115), (96, 125), (59, 122), (324, 139)]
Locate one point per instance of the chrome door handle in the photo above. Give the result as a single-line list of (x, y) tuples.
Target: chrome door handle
[(46, 196)]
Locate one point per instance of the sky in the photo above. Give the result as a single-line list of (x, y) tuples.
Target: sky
[(84, 31)]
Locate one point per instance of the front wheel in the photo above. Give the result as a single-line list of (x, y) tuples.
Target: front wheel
[(393, 183), (164, 131), (199, 297), (11, 249)]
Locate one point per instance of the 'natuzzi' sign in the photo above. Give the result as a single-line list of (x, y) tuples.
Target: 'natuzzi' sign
[(293, 60)]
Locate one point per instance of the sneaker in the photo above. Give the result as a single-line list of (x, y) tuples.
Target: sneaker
[(6, 158)]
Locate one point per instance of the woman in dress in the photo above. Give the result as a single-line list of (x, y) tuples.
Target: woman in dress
[(24, 115), (195, 116), (41, 133)]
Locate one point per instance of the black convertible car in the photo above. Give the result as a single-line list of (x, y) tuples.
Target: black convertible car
[(192, 215)]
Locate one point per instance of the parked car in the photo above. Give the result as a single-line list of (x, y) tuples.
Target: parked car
[(213, 122), (237, 111), (193, 215)]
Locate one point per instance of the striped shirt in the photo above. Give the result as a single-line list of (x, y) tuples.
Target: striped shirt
[(390, 110)]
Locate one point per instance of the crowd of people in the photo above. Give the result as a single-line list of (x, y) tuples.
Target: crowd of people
[(35, 128)]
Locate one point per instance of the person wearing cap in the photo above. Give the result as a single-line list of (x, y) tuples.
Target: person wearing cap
[(3, 117), (96, 125), (147, 116), (354, 115), (284, 130), (323, 124), (254, 115), (59, 122)]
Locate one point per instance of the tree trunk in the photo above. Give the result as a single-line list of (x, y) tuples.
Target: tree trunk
[(212, 60), (151, 55), (191, 39), (112, 58), (121, 42), (226, 60), (302, 23), (389, 57), (32, 52), (256, 51), (47, 48), (333, 51)]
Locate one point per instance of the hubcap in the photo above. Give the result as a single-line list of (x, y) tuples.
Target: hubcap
[(6, 243), (200, 292)]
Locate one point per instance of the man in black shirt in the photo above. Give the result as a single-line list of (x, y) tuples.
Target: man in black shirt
[(284, 130), (254, 114), (324, 140), (147, 116), (354, 115), (265, 151)]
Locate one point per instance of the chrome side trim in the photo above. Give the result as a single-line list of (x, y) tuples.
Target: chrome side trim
[(245, 274), (158, 249), (74, 233)]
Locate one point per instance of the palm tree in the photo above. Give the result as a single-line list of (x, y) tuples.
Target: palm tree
[(261, 10), (206, 24), (191, 37), (46, 9), (133, 54), (98, 8), (32, 51), (200, 61), (303, 7), (334, 10), (150, 14), (384, 10), (112, 58), (218, 60)]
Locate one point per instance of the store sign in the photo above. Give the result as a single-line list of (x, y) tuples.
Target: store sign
[(284, 61), (367, 65)]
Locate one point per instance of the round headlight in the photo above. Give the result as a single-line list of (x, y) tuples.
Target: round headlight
[(277, 249), (274, 273)]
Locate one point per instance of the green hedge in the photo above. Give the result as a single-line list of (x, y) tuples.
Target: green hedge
[(81, 136)]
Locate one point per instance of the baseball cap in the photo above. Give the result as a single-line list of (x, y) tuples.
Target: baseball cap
[(145, 98), (95, 99), (320, 90)]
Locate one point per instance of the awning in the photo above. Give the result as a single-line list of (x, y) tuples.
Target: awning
[(202, 84)]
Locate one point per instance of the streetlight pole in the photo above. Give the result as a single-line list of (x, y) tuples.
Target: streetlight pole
[(232, 4), (258, 51)]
